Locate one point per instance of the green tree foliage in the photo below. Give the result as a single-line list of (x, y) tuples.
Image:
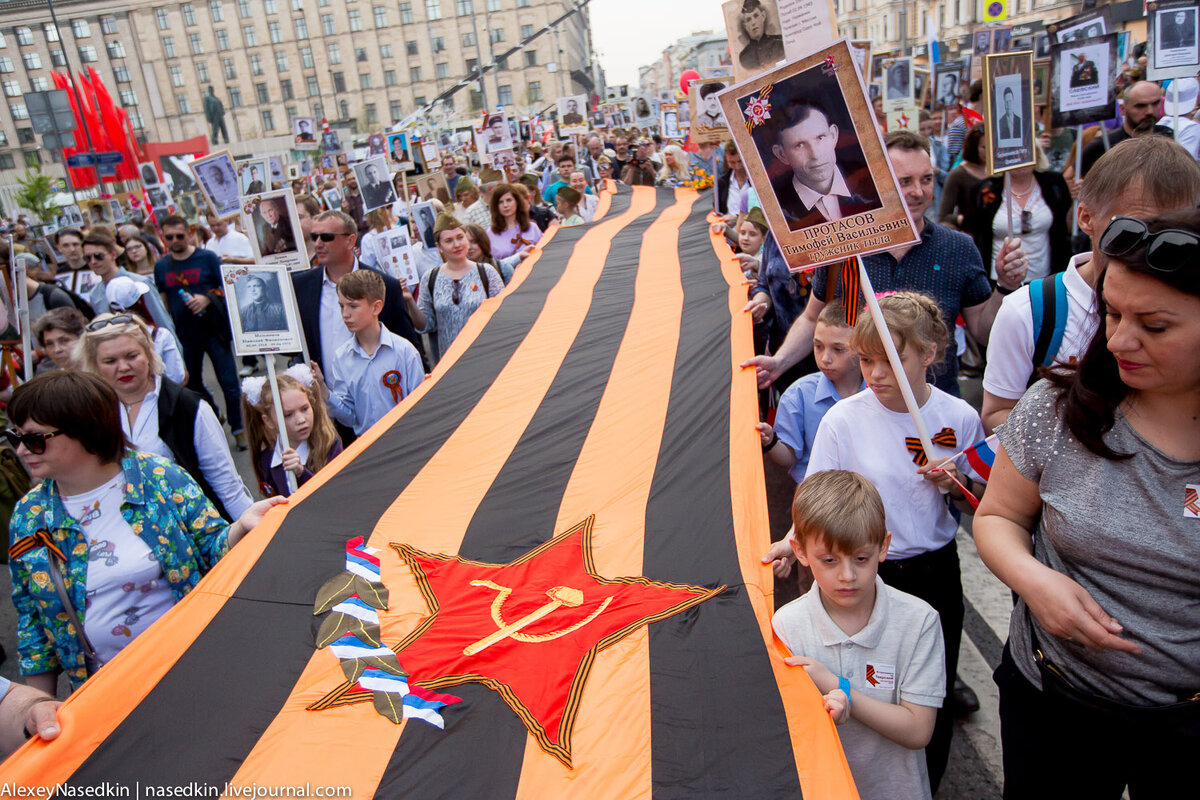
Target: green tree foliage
[(36, 191)]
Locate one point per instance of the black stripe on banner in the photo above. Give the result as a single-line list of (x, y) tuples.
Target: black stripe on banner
[(719, 726), (516, 515), (246, 662)]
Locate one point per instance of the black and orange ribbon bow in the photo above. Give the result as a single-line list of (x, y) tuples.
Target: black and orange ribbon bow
[(1190, 501), (40, 538), (943, 438)]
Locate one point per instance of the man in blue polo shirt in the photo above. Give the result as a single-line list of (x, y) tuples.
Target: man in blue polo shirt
[(944, 264)]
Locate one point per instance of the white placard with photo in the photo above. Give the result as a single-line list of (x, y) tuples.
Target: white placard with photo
[(271, 223), (393, 249), (496, 134), (374, 183), (304, 133), (424, 217), (262, 309), (252, 176), (572, 115), (1172, 47), (217, 178)]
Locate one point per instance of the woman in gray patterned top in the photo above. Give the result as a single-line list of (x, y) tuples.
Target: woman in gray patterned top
[(450, 293), (1100, 679)]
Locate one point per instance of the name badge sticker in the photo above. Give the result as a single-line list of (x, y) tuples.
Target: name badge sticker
[(881, 676)]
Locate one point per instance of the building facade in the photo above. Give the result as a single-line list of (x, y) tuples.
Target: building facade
[(362, 64), (699, 51)]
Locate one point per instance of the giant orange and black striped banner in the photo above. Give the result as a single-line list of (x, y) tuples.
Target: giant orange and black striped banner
[(594, 413)]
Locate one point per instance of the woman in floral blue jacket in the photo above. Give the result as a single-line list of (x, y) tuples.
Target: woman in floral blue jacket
[(109, 540)]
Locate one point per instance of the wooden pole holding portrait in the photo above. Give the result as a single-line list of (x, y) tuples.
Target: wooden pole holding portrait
[(280, 424)]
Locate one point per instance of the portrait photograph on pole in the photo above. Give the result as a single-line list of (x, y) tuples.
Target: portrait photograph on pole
[(1088, 25), (273, 227), (252, 176), (1172, 48), (399, 151), (304, 136), (949, 81), (572, 115), (1008, 110), (217, 178), (374, 183), (807, 134), (707, 123), (262, 309), (1081, 86)]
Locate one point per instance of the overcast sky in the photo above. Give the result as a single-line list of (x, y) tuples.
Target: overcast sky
[(628, 34)]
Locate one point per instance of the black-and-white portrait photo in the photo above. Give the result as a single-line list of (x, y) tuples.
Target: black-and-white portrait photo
[(946, 86), (1090, 24), (1008, 93), (1041, 46), (375, 144), (218, 181), (272, 227), (496, 133), (159, 199), (708, 107), (149, 174), (504, 160), (260, 302), (1174, 47), (374, 183), (1007, 99), (983, 42), (330, 142), (899, 80), (332, 198), (1001, 39), (304, 133), (424, 215), (756, 39), (572, 115)]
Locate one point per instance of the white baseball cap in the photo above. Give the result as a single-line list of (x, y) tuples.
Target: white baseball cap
[(122, 292)]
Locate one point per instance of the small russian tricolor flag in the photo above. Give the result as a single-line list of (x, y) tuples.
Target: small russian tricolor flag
[(981, 457)]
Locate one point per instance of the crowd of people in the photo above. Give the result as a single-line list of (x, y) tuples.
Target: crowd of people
[(1080, 320)]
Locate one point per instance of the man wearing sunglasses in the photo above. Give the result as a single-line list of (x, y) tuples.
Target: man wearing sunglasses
[(189, 279), (1140, 178), (100, 252), (333, 237)]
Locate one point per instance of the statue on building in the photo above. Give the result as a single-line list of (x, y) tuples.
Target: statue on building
[(214, 112)]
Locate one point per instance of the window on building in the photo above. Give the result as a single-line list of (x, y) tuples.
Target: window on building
[(26, 136), (24, 35), (476, 100), (355, 19), (292, 113), (327, 24), (244, 10), (535, 89), (339, 82), (531, 58), (306, 57), (256, 67), (274, 32), (48, 30), (6, 161), (316, 109), (472, 64), (301, 27), (260, 90), (372, 113), (464, 7), (216, 10), (268, 119), (389, 77), (116, 49), (385, 51), (189, 14), (522, 3), (81, 28), (419, 100), (183, 103), (229, 68), (406, 14), (58, 58), (439, 44), (87, 54), (433, 9), (12, 89), (504, 95), (410, 48), (169, 46), (396, 110), (380, 16), (285, 89), (414, 73), (249, 36), (6, 64), (360, 54), (314, 88), (442, 70), (468, 39), (335, 53), (235, 96), (128, 98), (39, 84), (493, 5), (202, 71), (32, 159), (164, 22), (281, 61), (497, 35), (34, 60), (344, 105), (3, 43), (3, 139), (364, 80), (297, 5), (135, 119), (196, 46), (270, 7), (526, 31), (176, 73)]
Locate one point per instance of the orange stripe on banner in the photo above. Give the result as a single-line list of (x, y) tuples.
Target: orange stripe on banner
[(612, 479), (820, 762), (606, 196), (432, 514)]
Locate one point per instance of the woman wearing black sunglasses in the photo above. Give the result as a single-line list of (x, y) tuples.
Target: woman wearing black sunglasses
[(1092, 517), (109, 540)]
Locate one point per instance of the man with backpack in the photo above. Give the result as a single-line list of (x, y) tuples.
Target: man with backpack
[(1054, 319)]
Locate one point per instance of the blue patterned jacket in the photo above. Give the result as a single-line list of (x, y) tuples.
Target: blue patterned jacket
[(163, 505)]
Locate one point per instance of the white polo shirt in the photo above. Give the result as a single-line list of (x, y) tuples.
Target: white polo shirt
[(1011, 342), (233, 243), (898, 655)]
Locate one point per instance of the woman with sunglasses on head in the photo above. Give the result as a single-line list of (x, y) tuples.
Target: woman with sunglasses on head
[(1092, 518), (109, 541), (128, 296), (451, 292), (157, 414), (1041, 211)]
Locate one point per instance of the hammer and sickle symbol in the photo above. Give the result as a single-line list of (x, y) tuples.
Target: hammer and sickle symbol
[(559, 596)]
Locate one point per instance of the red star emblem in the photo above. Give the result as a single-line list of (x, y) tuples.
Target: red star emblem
[(489, 622)]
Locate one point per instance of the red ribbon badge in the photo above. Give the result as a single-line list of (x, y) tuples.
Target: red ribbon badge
[(391, 379)]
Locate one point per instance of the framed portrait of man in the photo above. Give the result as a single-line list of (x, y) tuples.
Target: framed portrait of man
[(807, 135), (253, 176), (668, 116), (304, 133), (330, 143), (707, 122), (1083, 72), (572, 115), (332, 198), (262, 309), (755, 36), (148, 174), (1088, 25), (981, 42), (374, 183), (1172, 49), (432, 186), (897, 84), (424, 215), (949, 82), (920, 85), (1008, 110), (271, 223), (216, 176), (496, 134), (1041, 46)]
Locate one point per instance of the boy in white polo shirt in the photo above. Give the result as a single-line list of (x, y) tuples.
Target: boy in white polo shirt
[(874, 652)]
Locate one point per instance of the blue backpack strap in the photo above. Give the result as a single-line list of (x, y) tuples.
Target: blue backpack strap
[(1060, 317)]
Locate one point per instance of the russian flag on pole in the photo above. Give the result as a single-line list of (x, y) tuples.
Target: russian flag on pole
[(981, 457)]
